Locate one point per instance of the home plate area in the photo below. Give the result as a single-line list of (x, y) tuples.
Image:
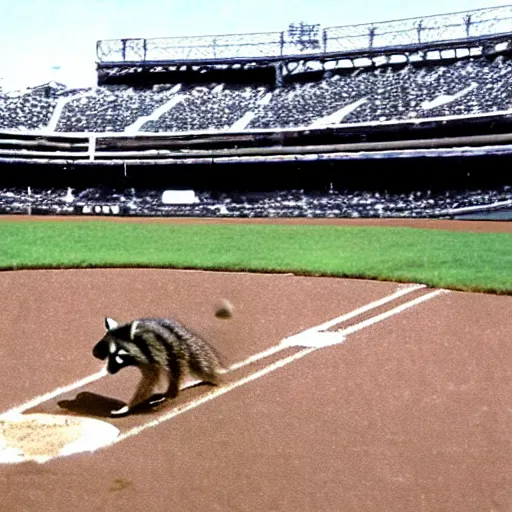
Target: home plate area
[(41, 437)]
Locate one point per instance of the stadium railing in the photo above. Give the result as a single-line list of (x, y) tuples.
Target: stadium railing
[(304, 39)]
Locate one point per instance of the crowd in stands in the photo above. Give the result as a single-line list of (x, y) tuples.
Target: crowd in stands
[(107, 109), (201, 108), (25, 110), (290, 203), (477, 85)]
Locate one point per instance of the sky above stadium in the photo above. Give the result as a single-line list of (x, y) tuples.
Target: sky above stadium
[(44, 40)]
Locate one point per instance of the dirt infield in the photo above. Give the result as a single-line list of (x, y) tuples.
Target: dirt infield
[(408, 409)]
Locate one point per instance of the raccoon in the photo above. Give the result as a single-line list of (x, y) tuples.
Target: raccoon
[(158, 347)]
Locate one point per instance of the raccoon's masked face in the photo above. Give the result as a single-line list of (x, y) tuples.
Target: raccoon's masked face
[(111, 347), (119, 359)]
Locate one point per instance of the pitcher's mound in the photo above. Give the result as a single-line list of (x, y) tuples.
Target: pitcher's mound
[(41, 437)]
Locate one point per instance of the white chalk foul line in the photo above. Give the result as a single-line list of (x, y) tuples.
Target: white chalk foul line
[(403, 290), (320, 339), (38, 400), (255, 357), (271, 367), (291, 341), (373, 320)]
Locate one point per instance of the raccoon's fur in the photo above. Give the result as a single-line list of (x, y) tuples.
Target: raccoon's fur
[(157, 346)]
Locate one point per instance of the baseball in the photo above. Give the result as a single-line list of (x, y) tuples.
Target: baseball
[(224, 309)]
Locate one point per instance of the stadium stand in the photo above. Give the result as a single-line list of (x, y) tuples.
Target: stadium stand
[(435, 105), (109, 109), (26, 110), (470, 86), (202, 108)]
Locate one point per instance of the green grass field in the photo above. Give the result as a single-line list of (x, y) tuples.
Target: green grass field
[(456, 260)]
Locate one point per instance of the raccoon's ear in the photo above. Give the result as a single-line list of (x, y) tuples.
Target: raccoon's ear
[(133, 329), (110, 324)]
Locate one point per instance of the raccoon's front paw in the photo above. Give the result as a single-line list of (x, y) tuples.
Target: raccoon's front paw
[(120, 412)]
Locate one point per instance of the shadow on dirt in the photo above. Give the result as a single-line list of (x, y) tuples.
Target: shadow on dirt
[(92, 404)]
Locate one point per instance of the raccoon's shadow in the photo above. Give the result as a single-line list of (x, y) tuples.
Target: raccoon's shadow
[(91, 404)]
